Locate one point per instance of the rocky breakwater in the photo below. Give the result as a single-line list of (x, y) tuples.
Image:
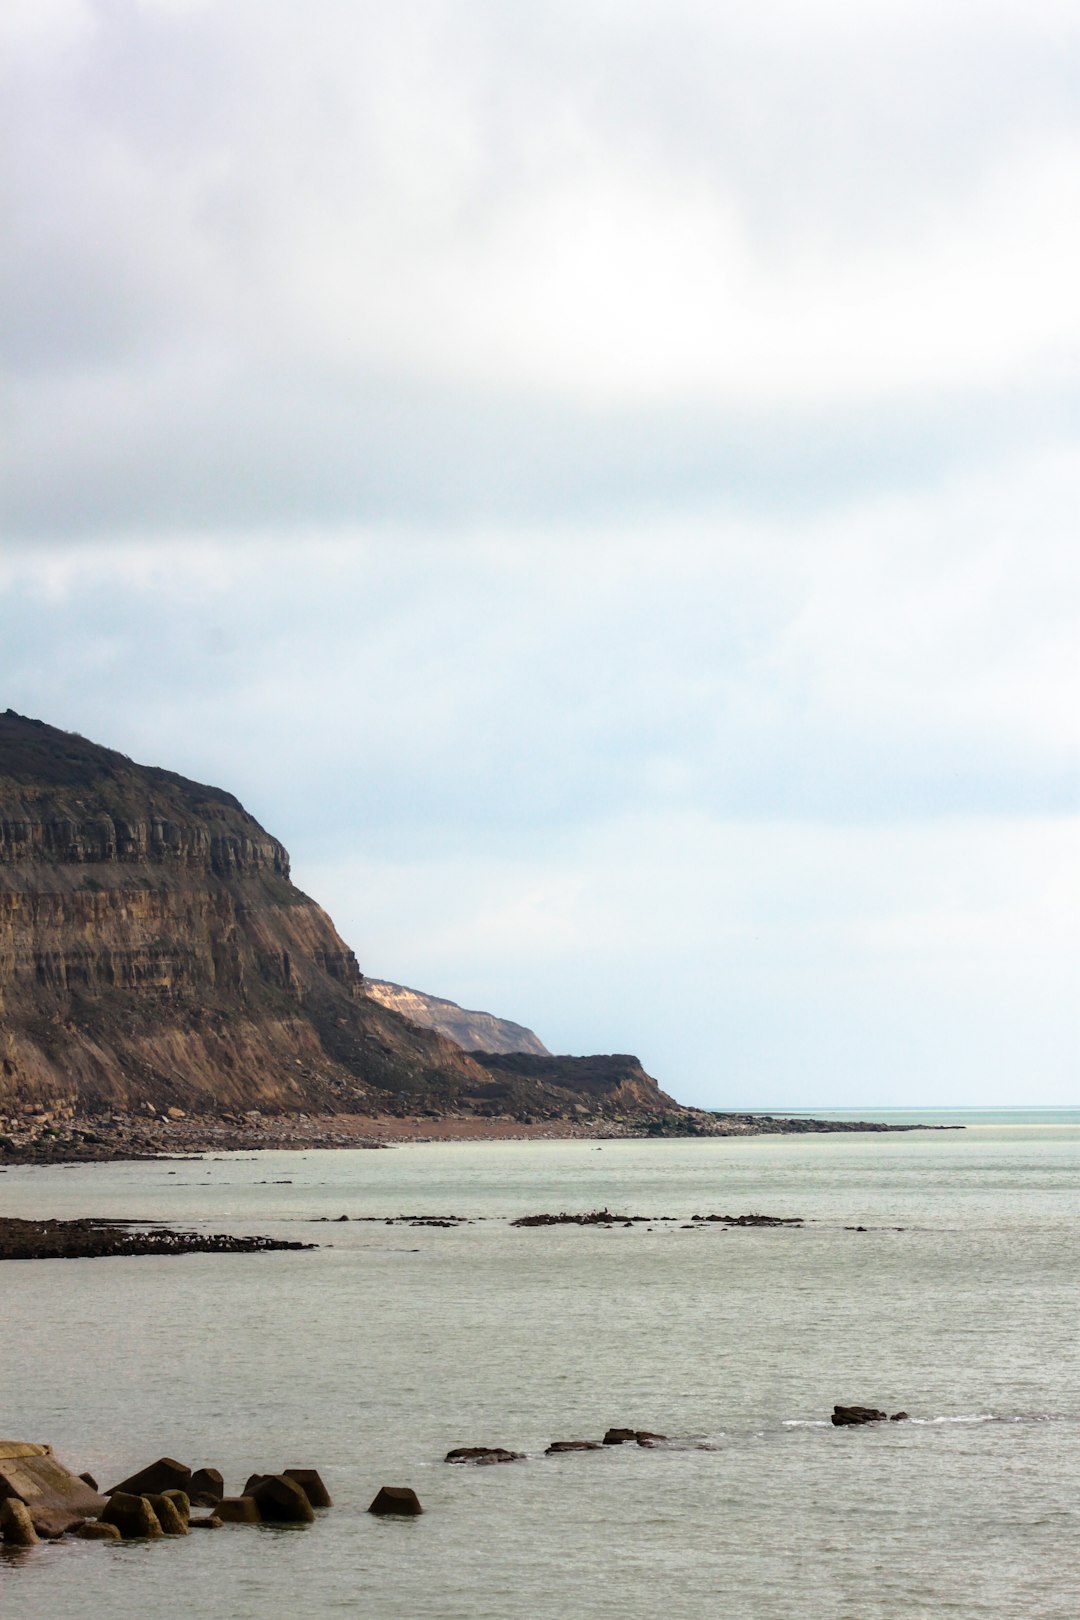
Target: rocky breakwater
[(40, 1499)]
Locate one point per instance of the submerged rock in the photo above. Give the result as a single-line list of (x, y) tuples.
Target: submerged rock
[(558, 1446), (483, 1454)]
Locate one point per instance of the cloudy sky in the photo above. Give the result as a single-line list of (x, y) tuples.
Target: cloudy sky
[(599, 479)]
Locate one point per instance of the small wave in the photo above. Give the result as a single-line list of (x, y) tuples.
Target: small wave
[(807, 1423), (998, 1417)]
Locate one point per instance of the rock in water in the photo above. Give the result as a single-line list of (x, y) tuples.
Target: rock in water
[(558, 1446), (57, 1499), (312, 1486), (164, 1475), (206, 1487), (172, 1518), (400, 1499), (133, 1516), (850, 1416), (98, 1530), (620, 1437), (481, 1455), (16, 1525), (282, 1501), (237, 1510)]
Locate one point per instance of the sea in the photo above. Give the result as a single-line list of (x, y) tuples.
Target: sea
[(936, 1272)]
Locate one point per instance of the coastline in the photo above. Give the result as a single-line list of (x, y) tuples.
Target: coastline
[(44, 1139)]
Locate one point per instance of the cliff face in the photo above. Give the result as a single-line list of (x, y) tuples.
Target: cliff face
[(153, 950), (475, 1031)]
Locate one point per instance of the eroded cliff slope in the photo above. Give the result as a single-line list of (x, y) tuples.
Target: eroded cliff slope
[(153, 950), (475, 1031)]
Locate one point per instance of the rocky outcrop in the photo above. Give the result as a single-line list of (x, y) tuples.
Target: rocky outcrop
[(602, 1085), (155, 955), (475, 1031), (848, 1417)]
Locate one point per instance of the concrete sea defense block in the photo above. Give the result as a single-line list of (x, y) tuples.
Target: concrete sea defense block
[(16, 1525), (396, 1499), (164, 1475), (238, 1510), (133, 1516), (311, 1484), (282, 1501)]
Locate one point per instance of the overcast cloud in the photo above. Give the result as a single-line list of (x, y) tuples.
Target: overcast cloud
[(599, 481)]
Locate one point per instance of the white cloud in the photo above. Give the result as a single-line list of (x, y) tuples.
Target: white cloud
[(596, 479)]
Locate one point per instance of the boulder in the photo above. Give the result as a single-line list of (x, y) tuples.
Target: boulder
[(164, 1475), (481, 1455), (237, 1510), (172, 1520), (396, 1499), (98, 1530), (311, 1484), (899, 1417), (132, 1515), (558, 1446), (644, 1438), (212, 1521), (621, 1437), (16, 1525), (252, 1481), (282, 1501), (849, 1416), (205, 1487)]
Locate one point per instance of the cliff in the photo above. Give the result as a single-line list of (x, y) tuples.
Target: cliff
[(154, 952), (475, 1031)]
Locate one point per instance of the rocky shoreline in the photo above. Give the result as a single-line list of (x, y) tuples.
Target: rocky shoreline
[(62, 1137), (94, 1239)]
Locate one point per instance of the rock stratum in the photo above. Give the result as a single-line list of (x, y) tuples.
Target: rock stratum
[(155, 954)]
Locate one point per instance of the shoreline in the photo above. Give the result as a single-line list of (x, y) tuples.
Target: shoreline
[(46, 1139)]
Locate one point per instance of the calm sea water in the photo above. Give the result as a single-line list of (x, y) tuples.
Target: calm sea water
[(371, 1356)]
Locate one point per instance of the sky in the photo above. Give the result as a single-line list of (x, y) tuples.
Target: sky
[(599, 481)]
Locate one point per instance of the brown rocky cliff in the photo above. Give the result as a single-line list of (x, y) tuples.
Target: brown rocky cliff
[(154, 950)]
